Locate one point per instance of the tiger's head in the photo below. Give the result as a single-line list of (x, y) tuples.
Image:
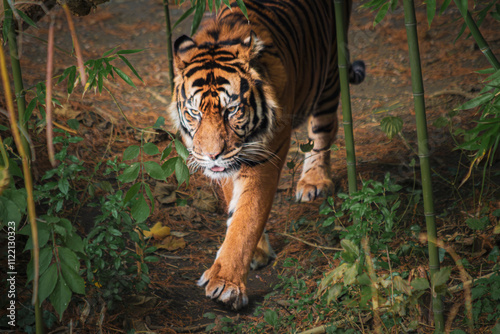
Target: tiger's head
[(222, 104)]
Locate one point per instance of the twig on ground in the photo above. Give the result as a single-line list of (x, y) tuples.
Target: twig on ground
[(307, 242), (460, 287)]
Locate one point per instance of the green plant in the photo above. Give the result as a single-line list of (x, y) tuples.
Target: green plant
[(111, 265), (373, 209), (483, 139), (61, 249), (486, 297), (59, 189)]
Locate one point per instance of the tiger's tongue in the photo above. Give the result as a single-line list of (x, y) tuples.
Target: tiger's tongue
[(217, 169)]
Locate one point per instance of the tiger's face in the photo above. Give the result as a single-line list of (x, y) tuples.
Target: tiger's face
[(221, 105)]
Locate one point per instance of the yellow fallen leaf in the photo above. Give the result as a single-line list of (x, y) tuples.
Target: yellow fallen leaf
[(171, 243), (158, 232)]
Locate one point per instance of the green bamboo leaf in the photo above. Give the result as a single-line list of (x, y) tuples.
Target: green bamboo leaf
[(125, 60), (125, 77), (26, 18), (198, 15), (243, 8), (71, 80), (140, 210), (64, 74), (131, 152), (151, 149), (381, 14), (73, 280), (100, 81), (7, 23), (477, 101), (444, 6), (132, 192), (60, 297), (107, 53), (226, 2), (183, 17), (127, 52), (47, 283), (154, 170), (210, 5), (431, 10), (462, 6), (29, 109)]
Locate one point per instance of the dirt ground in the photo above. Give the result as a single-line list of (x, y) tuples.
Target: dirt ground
[(177, 304)]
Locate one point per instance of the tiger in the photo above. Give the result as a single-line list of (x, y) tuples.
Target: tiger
[(241, 86)]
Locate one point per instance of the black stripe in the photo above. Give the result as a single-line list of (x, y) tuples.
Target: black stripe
[(323, 128), (210, 66)]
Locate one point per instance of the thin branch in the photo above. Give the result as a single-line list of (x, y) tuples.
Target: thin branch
[(76, 45), (307, 242)]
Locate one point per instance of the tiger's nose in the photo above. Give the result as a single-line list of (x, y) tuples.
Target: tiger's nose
[(214, 156)]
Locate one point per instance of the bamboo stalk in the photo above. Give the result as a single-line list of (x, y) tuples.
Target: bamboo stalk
[(48, 95), (343, 61), (478, 37), (423, 153), (29, 188), (17, 75), (170, 57)]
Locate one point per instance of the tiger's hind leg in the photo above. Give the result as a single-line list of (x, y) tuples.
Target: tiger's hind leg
[(322, 128), (263, 254)]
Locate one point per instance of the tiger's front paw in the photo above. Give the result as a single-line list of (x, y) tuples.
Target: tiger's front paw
[(227, 289), (312, 186)]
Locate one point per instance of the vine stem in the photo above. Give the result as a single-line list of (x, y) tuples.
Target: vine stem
[(28, 181)]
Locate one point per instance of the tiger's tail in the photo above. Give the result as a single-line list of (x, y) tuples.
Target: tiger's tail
[(357, 72)]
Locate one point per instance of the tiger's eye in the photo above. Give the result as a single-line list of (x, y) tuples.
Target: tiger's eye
[(232, 110)]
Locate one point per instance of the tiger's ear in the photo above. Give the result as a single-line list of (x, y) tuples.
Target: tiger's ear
[(252, 46), (183, 48)]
